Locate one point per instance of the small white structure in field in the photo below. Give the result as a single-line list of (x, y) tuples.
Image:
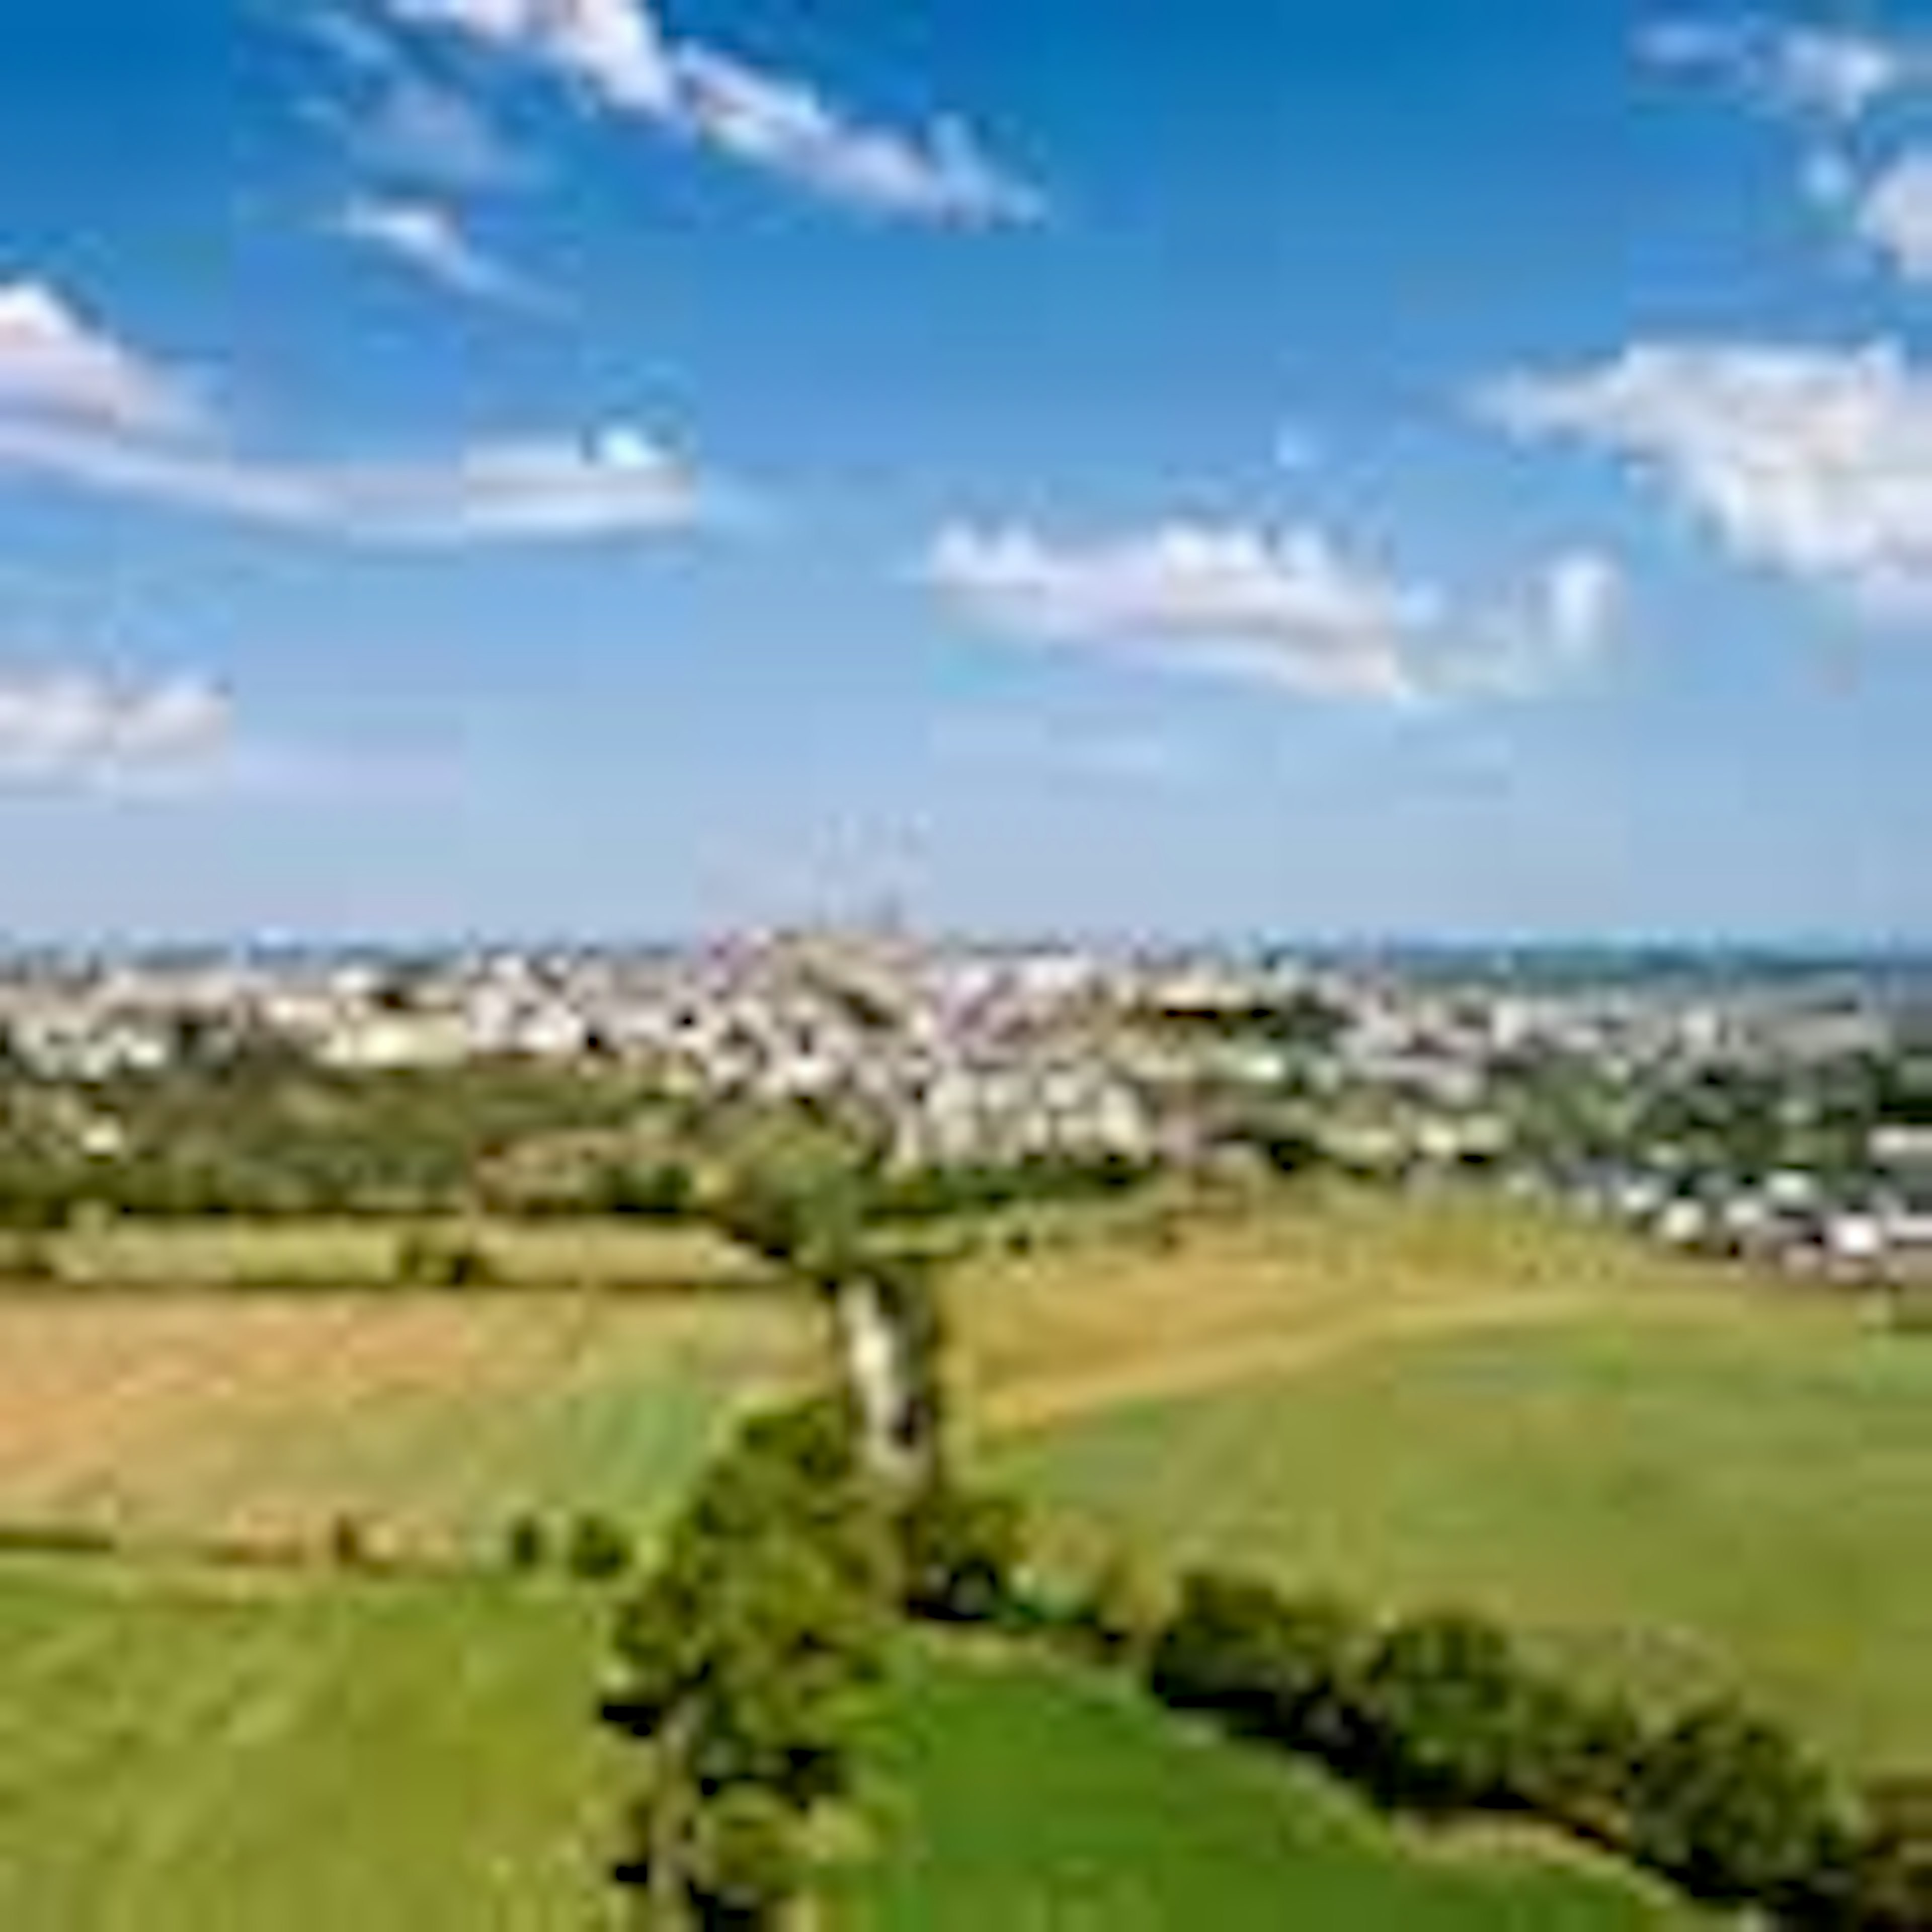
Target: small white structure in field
[(1855, 1241), (1684, 1223)]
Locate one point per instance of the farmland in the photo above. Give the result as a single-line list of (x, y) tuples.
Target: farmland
[(267, 1256), (1676, 1472), (1672, 1473), (1025, 1796), (199, 1416), (180, 1753)]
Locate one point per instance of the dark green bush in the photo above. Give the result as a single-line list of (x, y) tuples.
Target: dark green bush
[(963, 1548), (1887, 1882), (1445, 1711), (1726, 1803), (425, 1258), (1275, 1668), (597, 1549), (526, 1544)]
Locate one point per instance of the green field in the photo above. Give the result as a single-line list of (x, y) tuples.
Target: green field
[(1695, 1480), (1030, 1798), (310, 1758), (177, 1756), (1667, 1470)]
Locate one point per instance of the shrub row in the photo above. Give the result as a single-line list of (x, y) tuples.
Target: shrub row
[(1441, 1713)]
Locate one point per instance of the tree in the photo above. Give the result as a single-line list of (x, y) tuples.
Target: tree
[(427, 1258), (596, 1549), (1573, 1758), (1443, 1705), (747, 1859), (1887, 1878), (1275, 1668), (962, 1547), (1726, 1803), (742, 1657)]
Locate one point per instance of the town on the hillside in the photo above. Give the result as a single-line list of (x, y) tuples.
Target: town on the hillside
[(1778, 1107)]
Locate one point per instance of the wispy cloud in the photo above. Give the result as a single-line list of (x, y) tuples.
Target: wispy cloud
[(1816, 463), (616, 482), (80, 410), (1830, 82), (56, 364), (66, 727), (1287, 608), (1891, 213), (616, 55), (429, 241), (1837, 74)]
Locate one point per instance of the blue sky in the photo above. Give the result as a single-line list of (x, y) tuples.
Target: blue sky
[(1315, 467)]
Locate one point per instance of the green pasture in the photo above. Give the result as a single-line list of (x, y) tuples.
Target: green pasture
[(185, 1754)]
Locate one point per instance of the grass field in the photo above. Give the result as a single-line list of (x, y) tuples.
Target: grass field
[(432, 1417), (1663, 1468), (1654, 1465), (309, 1757), (312, 1757), (189, 1255), (1026, 1798)]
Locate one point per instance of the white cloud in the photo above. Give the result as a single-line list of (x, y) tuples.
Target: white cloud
[(66, 726), (56, 363), (789, 129), (616, 53), (614, 483), (1284, 607), (79, 410), (1832, 81), (1834, 74), (1892, 215), (611, 48), (426, 238), (1813, 462)]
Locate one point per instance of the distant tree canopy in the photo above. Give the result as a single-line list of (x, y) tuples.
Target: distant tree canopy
[(264, 1134)]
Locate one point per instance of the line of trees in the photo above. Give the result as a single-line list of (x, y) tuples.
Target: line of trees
[(741, 1658), (1441, 1713)]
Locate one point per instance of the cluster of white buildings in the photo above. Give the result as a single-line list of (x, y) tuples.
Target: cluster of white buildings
[(963, 1055), (960, 1057)]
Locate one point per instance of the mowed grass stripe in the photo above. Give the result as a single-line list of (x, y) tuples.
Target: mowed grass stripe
[(1697, 1505), (432, 1415), (1026, 1797), (372, 1756), (406, 1757)]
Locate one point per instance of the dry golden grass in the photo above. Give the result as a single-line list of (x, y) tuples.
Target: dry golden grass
[(215, 1414), (350, 1253), (1151, 1306)]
